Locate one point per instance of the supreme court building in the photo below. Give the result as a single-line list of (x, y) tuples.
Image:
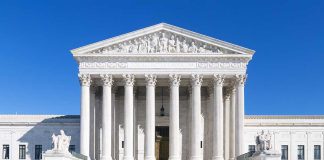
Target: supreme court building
[(162, 92)]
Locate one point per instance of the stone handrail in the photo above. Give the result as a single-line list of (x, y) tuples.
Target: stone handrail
[(80, 156), (245, 156)]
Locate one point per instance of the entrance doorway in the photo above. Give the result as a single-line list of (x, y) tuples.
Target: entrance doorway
[(162, 142)]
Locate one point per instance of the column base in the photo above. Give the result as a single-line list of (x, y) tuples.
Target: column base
[(195, 158), (218, 158), (105, 158), (231, 158), (150, 158), (128, 158), (174, 158)]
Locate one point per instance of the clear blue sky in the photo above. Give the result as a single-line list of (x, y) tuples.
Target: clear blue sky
[(39, 76)]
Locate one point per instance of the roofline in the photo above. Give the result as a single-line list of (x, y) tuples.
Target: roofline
[(284, 116), (246, 116), (167, 27)]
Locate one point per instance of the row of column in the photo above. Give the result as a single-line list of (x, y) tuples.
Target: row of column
[(236, 117)]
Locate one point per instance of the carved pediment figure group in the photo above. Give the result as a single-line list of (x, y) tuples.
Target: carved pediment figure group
[(160, 42)]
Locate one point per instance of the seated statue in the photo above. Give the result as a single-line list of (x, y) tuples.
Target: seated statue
[(61, 142), (263, 141)]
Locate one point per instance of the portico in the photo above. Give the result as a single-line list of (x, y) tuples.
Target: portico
[(127, 73)]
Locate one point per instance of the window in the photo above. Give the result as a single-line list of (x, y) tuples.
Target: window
[(284, 152), (38, 151), (5, 151), (22, 151), (300, 153), (317, 152), (72, 148), (251, 149)]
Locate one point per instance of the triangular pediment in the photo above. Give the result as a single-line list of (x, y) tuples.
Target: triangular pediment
[(161, 38)]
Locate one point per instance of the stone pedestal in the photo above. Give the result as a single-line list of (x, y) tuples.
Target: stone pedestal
[(57, 155), (266, 155)]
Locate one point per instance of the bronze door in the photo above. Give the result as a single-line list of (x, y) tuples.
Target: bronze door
[(162, 143)]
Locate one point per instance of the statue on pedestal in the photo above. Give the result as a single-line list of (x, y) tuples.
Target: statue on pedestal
[(263, 141), (264, 150), (61, 142)]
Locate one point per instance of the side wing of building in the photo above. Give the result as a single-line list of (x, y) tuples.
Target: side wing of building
[(294, 135), (27, 136), (297, 137)]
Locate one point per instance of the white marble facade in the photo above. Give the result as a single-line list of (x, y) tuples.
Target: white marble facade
[(122, 76), (127, 79), (31, 130)]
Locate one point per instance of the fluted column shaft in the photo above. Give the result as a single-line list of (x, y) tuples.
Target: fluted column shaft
[(196, 81), (226, 123), (218, 108), (150, 118), (106, 117), (129, 117), (85, 81), (174, 143), (232, 123), (240, 81)]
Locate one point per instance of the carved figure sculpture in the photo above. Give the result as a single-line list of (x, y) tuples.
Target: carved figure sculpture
[(54, 141), (178, 45), (172, 45), (155, 43), (193, 48), (163, 43), (61, 142), (184, 46), (263, 141)]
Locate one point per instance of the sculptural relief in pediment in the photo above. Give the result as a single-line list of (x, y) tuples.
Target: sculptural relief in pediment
[(160, 42)]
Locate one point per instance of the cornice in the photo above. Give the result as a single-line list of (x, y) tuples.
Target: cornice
[(162, 27), (284, 116)]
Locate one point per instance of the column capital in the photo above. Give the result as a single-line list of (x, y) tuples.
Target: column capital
[(232, 89), (210, 88), (150, 79), (196, 80), (240, 79), (85, 79), (174, 80), (114, 88), (227, 93), (218, 79), (107, 79), (129, 79), (93, 89)]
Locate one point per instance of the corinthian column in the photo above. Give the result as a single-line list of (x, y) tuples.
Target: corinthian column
[(196, 81), (218, 140), (240, 81), (150, 117), (226, 123), (106, 116), (85, 81), (232, 123), (129, 117), (174, 144)]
